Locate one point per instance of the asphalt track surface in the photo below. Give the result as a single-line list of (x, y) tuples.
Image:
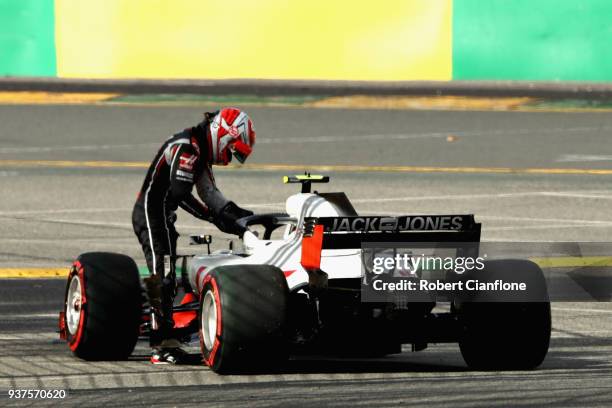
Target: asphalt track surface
[(49, 215)]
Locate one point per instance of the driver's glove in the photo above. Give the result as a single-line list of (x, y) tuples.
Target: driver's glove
[(226, 219)]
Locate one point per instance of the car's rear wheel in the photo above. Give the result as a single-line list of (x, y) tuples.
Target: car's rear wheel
[(243, 311), (507, 335), (103, 306)]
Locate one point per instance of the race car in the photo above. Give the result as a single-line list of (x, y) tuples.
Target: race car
[(298, 283)]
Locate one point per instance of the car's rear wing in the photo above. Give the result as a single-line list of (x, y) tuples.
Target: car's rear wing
[(351, 232)]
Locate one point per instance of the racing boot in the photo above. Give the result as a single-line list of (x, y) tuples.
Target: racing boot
[(168, 355)]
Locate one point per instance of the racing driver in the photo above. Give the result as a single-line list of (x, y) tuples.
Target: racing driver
[(185, 160)]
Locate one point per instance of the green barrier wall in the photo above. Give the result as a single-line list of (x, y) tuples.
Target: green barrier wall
[(532, 39), (27, 31)]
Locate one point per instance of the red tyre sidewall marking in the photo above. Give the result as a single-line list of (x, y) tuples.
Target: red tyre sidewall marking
[(198, 273), (210, 359), (75, 340)]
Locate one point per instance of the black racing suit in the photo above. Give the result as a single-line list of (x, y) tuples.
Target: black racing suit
[(181, 162)]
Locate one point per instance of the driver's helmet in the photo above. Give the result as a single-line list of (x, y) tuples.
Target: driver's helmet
[(231, 131)]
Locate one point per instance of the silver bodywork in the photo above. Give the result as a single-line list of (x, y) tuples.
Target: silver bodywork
[(283, 253)]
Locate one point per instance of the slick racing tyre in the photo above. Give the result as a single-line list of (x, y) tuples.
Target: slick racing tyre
[(102, 306), (243, 312), (507, 335)]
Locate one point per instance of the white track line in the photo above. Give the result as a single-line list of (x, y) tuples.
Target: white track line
[(53, 240), (572, 194), (280, 205), (557, 222), (569, 309), (318, 139), (271, 140), (128, 225), (442, 197), (18, 316), (45, 149), (569, 194), (30, 336), (578, 195), (542, 227), (551, 220), (429, 135), (583, 158), (64, 211)]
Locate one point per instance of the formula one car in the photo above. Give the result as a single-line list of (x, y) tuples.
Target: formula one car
[(302, 293)]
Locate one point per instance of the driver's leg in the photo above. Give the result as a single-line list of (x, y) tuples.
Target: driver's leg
[(168, 282), (158, 240)]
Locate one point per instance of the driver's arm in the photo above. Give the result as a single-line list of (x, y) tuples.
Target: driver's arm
[(182, 173), (194, 207), (224, 212)]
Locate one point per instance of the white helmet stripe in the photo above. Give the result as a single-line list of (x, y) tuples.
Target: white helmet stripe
[(242, 127), (214, 138)]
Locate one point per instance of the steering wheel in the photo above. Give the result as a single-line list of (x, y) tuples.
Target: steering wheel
[(270, 222)]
